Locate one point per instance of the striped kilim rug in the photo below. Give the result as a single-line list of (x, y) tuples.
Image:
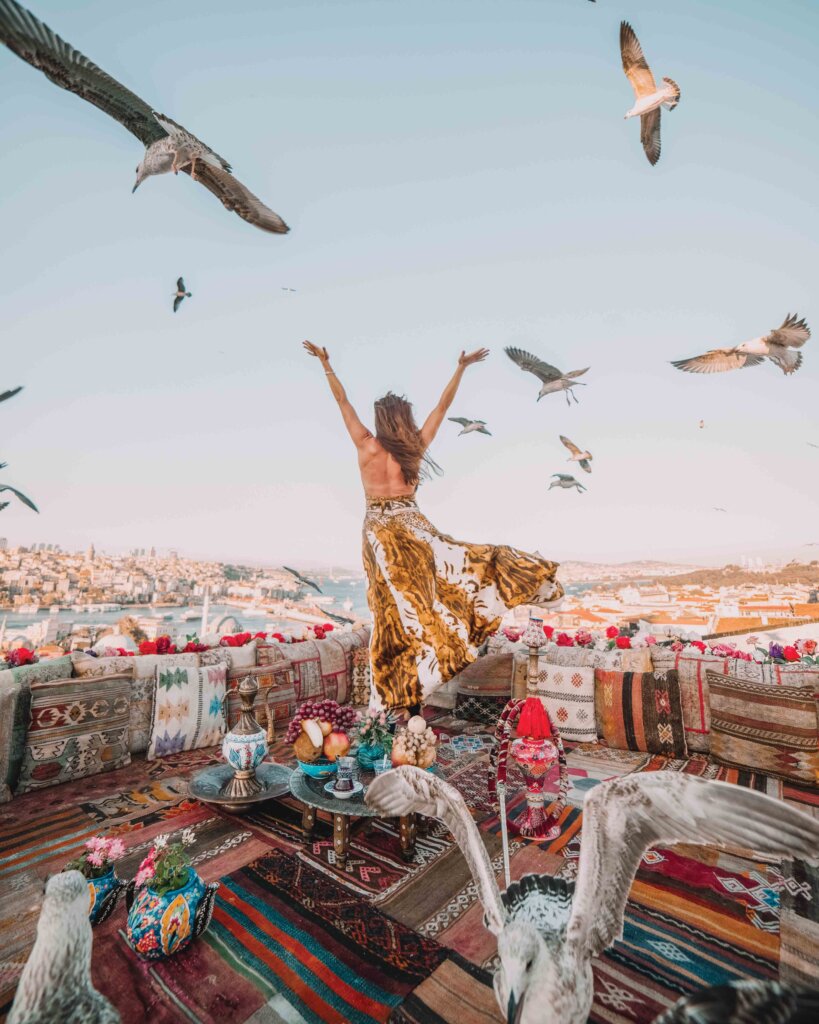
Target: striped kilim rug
[(297, 940)]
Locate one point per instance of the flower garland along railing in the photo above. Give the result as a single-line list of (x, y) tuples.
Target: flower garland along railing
[(804, 651)]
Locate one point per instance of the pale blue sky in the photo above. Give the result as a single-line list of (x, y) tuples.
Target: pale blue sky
[(455, 174)]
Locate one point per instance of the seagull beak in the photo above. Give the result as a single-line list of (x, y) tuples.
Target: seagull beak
[(136, 186), (514, 1010)]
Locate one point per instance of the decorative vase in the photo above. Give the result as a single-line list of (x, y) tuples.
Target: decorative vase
[(103, 893), (535, 757), (369, 754), (245, 746), (159, 926)]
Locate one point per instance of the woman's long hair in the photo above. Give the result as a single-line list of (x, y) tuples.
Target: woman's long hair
[(397, 432)]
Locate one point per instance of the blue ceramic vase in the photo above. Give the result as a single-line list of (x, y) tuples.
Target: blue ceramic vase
[(102, 896), (368, 754), (159, 926)]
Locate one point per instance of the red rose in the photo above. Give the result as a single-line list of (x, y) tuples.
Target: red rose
[(564, 640), (612, 632), (623, 643), (148, 647), (328, 627), (318, 632), (260, 636), (279, 637), (809, 646), (790, 654), (548, 630), (699, 645)]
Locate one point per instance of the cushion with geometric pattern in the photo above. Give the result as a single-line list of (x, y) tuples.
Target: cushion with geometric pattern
[(567, 691), (188, 709), (641, 711)]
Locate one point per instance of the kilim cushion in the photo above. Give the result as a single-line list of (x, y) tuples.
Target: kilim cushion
[(275, 702), (143, 692), (215, 656), (242, 657), (639, 711), (188, 709), (480, 709), (771, 729), (568, 694), (77, 728), (15, 703), (489, 675), (86, 665)]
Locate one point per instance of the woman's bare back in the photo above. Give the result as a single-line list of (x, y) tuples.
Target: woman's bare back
[(381, 474)]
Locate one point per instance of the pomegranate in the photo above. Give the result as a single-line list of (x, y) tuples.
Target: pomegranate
[(336, 744)]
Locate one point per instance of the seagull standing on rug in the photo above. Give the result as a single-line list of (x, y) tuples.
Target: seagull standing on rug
[(777, 345), (549, 930), (649, 99), (55, 986), (577, 454), (168, 146), (180, 294), (746, 1002), (552, 379), (470, 426), (566, 481)]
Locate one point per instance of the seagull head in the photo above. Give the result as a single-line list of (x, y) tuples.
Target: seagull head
[(141, 175), (523, 957)]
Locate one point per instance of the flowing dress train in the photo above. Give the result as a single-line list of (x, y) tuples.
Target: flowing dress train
[(434, 600)]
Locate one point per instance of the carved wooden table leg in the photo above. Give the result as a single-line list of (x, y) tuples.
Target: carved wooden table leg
[(422, 824), (408, 829), (308, 822), (341, 838)]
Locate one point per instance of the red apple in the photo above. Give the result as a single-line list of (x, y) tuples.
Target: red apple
[(336, 745)]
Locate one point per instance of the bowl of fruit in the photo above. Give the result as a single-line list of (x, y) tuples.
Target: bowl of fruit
[(319, 734)]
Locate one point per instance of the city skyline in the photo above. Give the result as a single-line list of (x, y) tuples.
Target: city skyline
[(454, 177)]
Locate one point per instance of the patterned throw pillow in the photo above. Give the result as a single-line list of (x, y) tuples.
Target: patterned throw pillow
[(568, 694), (86, 665), (639, 711), (764, 728), (242, 657), (691, 668), (188, 709), (77, 728), (15, 703), (144, 691), (361, 677)]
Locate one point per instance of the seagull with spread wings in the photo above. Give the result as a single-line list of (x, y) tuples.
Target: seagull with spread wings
[(469, 426), (649, 99), (180, 294), (549, 930), (578, 454), (778, 346), (566, 481), (303, 579), (168, 146), (552, 379)]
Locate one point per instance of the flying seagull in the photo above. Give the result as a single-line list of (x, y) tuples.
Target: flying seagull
[(288, 289), (811, 443), (549, 930), (303, 579), (740, 1002), (470, 426), (577, 454), (702, 424), (565, 480), (551, 378), (56, 982), (180, 294), (777, 345), (5, 395), (649, 99), (168, 146)]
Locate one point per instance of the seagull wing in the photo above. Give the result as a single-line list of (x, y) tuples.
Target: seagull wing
[(570, 445), (717, 360), (576, 373), (180, 284), (624, 817), (177, 302), (460, 420), (634, 63), (526, 361), (650, 135), (16, 391), (409, 790), (739, 1001), (563, 476), (36, 44), (234, 196), (792, 334), (584, 464), (311, 583), (786, 359), (20, 495), (172, 128), (292, 572)]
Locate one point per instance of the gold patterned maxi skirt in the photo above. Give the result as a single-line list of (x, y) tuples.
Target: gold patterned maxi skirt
[(434, 600)]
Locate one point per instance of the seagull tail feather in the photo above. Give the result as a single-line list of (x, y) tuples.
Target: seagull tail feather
[(669, 104)]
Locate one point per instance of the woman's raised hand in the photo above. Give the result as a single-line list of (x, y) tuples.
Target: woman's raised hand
[(477, 356), (317, 351)]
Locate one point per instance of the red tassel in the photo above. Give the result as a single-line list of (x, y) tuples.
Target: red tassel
[(533, 721)]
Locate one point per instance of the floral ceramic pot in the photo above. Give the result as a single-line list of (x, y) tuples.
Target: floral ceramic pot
[(99, 889), (160, 926), (245, 751), (369, 754)]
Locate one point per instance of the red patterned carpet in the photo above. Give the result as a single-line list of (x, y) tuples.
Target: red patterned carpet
[(296, 939)]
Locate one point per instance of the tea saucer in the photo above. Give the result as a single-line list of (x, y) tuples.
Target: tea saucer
[(358, 787)]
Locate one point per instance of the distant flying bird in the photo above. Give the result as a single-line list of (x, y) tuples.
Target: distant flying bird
[(549, 930), (56, 982), (718, 509), (778, 346), (565, 481), (168, 146), (288, 289), (470, 426), (809, 442), (743, 1002), (552, 379), (577, 454), (649, 99), (702, 424), (16, 391), (180, 294), (303, 579)]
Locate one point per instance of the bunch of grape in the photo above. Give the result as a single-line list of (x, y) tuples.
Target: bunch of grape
[(341, 717)]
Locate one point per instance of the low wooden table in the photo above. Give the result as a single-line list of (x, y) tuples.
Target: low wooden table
[(310, 792)]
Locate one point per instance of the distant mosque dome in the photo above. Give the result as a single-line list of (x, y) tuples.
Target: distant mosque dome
[(227, 624), (114, 640)]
